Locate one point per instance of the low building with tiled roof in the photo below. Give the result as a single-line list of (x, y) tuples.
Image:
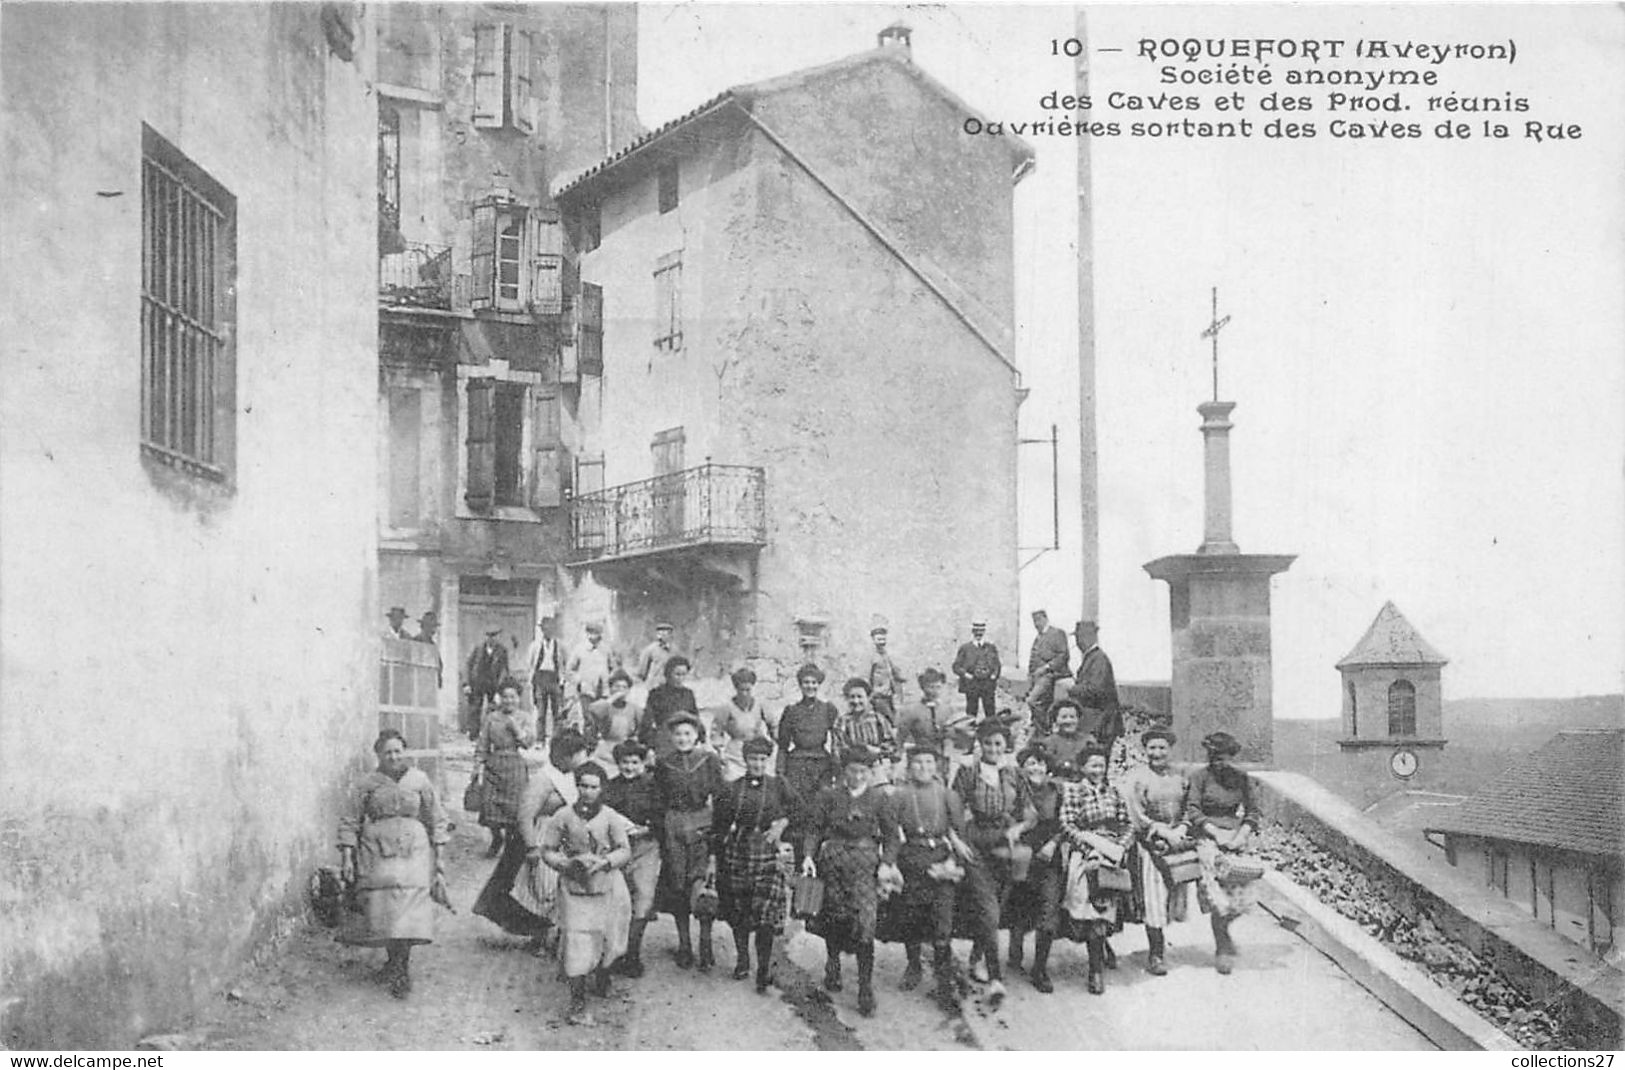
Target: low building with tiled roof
[(1549, 834)]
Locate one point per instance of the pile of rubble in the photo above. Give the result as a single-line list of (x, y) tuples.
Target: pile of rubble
[(1348, 890)]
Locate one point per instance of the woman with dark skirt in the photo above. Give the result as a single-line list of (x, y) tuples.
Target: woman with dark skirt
[(1096, 825), (500, 766), (635, 797), (688, 782), (549, 791), (752, 892), (665, 702), (805, 758), (842, 848), (392, 834), (1035, 902), (997, 814), (1219, 810)]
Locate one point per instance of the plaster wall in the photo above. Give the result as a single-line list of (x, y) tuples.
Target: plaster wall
[(1371, 686), (190, 669)]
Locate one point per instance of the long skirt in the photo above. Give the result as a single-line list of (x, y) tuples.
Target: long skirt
[(496, 901), (752, 889), (1084, 899), (1034, 905), (979, 900), (643, 876), (847, 919), (506, 777), (593, 927), (685, 855), (923, 912), (1163, 903), (392, 888), (1213, 892)]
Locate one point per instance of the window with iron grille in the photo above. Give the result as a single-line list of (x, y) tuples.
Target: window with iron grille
[(389, 179), (188, 313), (669, 301), (667, 181)]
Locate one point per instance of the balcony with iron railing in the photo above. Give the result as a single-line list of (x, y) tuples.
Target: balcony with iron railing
[(713, 506), (420, 275)]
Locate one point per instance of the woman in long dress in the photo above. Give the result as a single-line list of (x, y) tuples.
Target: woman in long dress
[(1095, 822), (997, 814), (751, 816), (665, 702), (844, 834), (805, 758), (391, 837), (688, 781), (500, 766), (740, 719), (1155, 794), (1035, 901), (1219, 810), (586, 845)]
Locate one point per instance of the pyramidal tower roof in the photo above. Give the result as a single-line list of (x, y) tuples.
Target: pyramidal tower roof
[(1391, 640)]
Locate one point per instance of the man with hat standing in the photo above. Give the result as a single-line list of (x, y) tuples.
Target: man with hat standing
[(1094, 687), (652, 662), (977, 666), (1049, 662), (397, 620), (487, 668), (885, 678), (428, 632)]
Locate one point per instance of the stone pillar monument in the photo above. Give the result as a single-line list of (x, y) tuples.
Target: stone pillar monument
[(1219, 606)]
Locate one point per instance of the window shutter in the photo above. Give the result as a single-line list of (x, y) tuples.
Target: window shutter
[(489, 78), (482, 261), (481, 493), (590, 352), (521, 48), (546, 262)]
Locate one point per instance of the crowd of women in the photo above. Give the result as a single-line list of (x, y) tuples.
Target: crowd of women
[(918, 838)]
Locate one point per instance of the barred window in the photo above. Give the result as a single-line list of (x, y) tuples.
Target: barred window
[(188, 312), (669, 301)]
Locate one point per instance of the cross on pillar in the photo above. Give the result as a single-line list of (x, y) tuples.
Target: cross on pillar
[(1212, 331)]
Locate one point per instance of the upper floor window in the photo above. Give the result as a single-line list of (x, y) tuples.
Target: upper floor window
[(515, 454), (669, 301), (590, 354), (517, 258), (389, 179), (188, 313), (667, 181), (504, 77), (1354, 710), (1402, 708)]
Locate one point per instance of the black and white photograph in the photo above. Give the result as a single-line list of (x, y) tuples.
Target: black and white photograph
[(811, 527)]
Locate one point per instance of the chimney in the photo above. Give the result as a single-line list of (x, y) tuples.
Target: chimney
[(897, 36)]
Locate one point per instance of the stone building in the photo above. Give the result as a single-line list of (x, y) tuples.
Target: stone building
[(189, 562), (1549, 835), (1393, 704), (806, 416), (479, 108)]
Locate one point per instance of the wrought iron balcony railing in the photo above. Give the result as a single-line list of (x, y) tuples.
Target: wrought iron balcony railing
[(420, 275), (712, 505)]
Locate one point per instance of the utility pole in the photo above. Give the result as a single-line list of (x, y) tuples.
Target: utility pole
[(1088, 458)]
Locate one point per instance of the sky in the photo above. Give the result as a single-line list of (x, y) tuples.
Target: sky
[(1427, 348)]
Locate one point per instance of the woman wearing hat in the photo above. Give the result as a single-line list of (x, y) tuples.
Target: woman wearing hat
[(805, 759), (842, 847), (1096, 825), (1155, 794), (997, 814), (738, 720), (664, 703), (1034, 903), (751, 816), (688, 781), (1219, 810)]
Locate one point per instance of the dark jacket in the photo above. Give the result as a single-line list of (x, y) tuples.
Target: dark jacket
[(977, 667)]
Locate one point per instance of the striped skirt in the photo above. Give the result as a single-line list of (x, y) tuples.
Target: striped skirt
[(1163, 903)]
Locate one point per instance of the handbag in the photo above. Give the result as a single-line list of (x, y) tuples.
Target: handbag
[(1178, 867), (474, 796), (808, 897), (702, 899), (1114, 879)]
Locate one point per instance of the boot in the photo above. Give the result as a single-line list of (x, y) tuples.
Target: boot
[(832, 971), (1097, 964), (685, 949), (1224, 951), (741, 954), (496, 844), (914, 972), (1017, 953), (400, 971), (631, 964), (866, 977), (577, 1014), (942, 973), (707, 958), (1041, 945), (600, 982), (764, 960), (1154, 964), (1111, 955), (978, 972)]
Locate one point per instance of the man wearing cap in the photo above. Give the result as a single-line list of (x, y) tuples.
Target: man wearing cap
[(1094, 687), (486, 669), (652, 662), (1049, 661), (977, 666), (885, 678), (589, 669), (929, 724)]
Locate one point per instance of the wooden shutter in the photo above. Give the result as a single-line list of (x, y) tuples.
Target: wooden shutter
[(547, 479), (589, 474), (546, 262), (590, 350), (521, 48), (482, 260), (489, 77), (481, 493)]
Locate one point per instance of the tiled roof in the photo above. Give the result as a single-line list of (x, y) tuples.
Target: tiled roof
[(1570, 794), (1391, 640)]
